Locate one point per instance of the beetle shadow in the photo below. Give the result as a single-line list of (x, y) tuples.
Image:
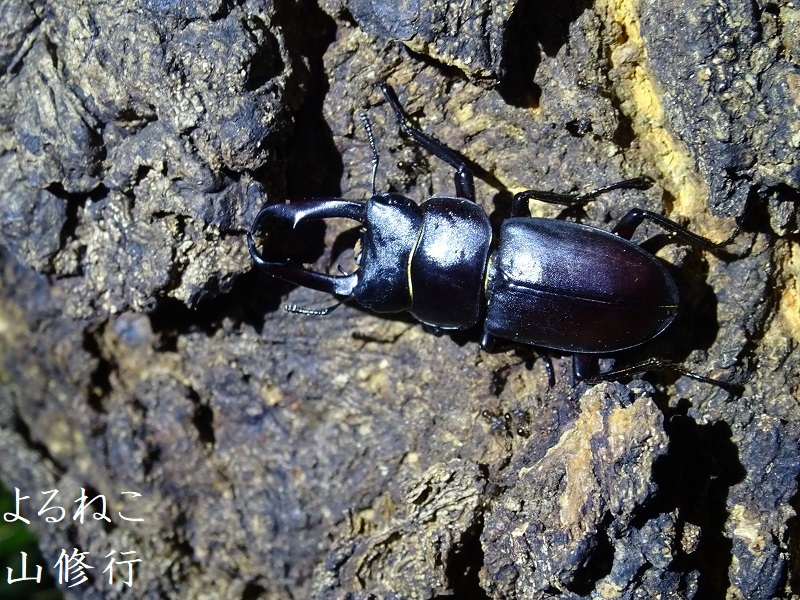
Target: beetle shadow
[(694, 481), (245, 301), (534, 27), (311, 167), (696, 326), (313, 164)]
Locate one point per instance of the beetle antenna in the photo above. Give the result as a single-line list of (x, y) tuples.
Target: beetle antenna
[(548, 365), (314, 312), (371, 138)]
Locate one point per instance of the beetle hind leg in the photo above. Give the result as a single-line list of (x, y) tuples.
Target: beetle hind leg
[(649, 364), (628, 224)]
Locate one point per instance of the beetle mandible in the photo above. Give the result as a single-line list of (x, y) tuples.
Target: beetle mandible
[(547, 283)]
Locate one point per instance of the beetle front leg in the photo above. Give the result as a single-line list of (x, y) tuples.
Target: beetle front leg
[(465, 184)]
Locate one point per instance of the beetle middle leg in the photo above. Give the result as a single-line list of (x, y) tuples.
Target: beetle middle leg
[(520, 207), (628, 224), (465, 184), (636, 216)]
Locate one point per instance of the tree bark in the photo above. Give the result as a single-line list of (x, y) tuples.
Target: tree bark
[(356, 455)]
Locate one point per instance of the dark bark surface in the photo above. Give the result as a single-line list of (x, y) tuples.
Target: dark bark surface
[(358, 456)]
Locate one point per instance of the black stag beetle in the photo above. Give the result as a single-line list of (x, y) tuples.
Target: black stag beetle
[(547, 283)]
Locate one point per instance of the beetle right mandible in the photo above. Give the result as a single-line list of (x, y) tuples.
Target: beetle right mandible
[(543, 282)]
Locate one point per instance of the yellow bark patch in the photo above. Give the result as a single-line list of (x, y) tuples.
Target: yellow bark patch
[(789, 306), (641, 102)]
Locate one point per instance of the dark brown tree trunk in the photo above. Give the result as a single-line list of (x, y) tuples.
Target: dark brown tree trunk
[(355, 455)]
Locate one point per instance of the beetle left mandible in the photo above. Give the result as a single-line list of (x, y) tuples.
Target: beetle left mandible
[(547, 283)]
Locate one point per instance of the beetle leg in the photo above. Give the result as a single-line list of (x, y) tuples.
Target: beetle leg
[(316, 312), (584, 366), (654, 364), (520, 207), (465, 185), (489, 342), (628, 224)]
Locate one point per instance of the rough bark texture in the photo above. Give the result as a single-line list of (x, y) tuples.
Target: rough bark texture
[(282, 456)]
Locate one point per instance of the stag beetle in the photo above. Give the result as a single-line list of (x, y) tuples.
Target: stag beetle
[(547, 283)]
